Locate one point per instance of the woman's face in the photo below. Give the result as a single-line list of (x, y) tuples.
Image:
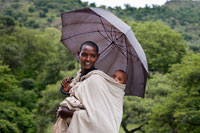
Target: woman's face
[(88, 56)]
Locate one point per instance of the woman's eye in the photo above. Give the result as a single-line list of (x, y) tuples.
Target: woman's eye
[(83, 54), (93, 56)]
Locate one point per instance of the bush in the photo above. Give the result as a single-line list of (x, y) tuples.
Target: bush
[(27, 84), (20, 117), (49, 20), (15, 5), (7, 127), (31, 9), (31, 23), (42, 14), (61, 10), (45, 10)]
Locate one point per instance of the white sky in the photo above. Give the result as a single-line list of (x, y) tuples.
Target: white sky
[(133, 3)]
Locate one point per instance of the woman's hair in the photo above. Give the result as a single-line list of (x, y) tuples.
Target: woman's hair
[(90, 43)]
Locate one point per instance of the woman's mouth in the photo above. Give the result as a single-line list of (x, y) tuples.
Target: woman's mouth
[(88, 63)]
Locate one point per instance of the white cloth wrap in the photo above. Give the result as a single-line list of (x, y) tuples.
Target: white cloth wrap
[(102, 98)]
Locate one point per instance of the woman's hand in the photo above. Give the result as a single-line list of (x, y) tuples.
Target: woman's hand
[(65, 84), (64, 112)]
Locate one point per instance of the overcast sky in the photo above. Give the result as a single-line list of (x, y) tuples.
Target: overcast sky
[(134, 3)]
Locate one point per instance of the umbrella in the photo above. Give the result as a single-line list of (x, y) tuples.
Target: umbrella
[(118, 46)]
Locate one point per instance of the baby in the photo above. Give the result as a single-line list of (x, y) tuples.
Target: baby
[(120, 76)]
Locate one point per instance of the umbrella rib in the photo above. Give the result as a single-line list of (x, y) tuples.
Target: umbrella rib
[(107, 47), (115, 33), (111, 33), (89, 23), (104, 36), (127, 51), (119, 36), (104, 28), (121, 47), (105, 53), (82, 34), (117, 46)]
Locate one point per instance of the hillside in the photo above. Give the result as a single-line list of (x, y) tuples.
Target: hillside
[(182, 16)]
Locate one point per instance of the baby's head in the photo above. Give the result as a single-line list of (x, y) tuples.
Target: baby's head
[(120, 76)]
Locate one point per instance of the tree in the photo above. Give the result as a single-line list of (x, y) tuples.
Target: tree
[(180, 112), (137, 110), (42, 14), (158, 86), (18, 116), (163, 46), (135, 113), (10, 90), (7, 25), (6, 127), (48, 104)]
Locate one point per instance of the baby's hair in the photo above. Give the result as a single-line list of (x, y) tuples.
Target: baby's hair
[(122, 71), (90, 43)]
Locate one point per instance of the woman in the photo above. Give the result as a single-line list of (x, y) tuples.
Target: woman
[(101, 96)]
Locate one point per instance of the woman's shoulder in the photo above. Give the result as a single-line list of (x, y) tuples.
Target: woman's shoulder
[(98, 73)]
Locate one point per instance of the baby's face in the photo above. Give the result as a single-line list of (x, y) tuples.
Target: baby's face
[(120, 77)]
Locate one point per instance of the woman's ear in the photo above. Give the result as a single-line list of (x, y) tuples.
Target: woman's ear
[(78, 53)]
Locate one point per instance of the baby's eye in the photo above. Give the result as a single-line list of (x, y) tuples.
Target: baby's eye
[(119, 79)]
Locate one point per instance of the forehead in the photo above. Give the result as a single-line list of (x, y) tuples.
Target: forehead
[(119, 73), (88, 48)]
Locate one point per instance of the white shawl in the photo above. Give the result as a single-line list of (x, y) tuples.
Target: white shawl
[(102, 98)]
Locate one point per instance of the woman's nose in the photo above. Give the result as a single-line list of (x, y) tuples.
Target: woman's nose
[(88, 58)]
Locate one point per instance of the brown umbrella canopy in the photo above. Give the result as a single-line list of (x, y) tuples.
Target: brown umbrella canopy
[(118, 46)]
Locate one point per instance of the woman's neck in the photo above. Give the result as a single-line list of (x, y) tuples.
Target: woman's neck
[(86, 71)]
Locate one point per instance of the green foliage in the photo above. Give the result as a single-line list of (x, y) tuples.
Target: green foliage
[(181, 16), (159, 85), (7, 127), (92, 5), (10, 90), (36, 55), (31, 9), (180, 112), (45, 10), (163, 46), (135, 113), (7, 81), (16, 104), (31, 23), (48, 105), (20, 117), (17, 15), (6, 24), (42, 14), (27, 84)]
